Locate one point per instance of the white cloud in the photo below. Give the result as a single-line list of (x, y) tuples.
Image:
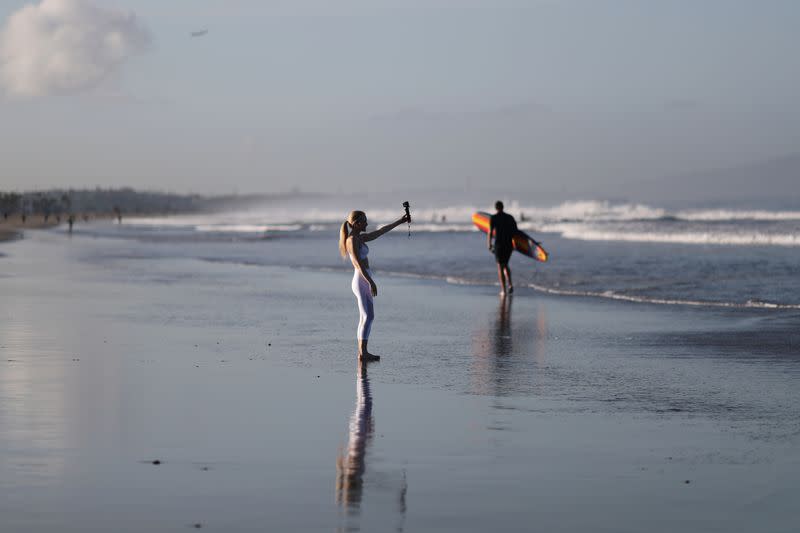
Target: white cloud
[(59, 46)]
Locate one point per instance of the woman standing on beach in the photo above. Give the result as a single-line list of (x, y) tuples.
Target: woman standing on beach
[(352, 243)]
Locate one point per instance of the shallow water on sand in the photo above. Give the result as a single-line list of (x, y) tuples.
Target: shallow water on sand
[(485, 414)]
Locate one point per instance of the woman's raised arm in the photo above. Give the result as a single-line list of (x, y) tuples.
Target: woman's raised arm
[(372, 235)]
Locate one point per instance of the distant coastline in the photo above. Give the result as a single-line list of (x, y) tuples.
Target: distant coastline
[(52, 207)]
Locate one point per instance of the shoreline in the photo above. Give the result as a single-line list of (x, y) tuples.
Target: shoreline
[(15, 231), (13, 228)]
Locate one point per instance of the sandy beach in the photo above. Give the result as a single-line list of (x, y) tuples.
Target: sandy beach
[(13, 227), (141, 394)]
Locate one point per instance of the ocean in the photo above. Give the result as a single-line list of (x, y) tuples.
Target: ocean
[(712, 257)]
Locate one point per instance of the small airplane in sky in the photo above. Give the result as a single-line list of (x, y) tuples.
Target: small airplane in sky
[(199, 33)]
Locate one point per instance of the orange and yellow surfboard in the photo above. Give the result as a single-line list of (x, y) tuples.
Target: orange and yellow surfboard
[(523, 243)]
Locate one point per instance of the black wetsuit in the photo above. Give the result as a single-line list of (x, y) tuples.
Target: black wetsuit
[(504, 227)]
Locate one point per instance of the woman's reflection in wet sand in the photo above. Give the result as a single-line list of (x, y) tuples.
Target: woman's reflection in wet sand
[(351, 462)]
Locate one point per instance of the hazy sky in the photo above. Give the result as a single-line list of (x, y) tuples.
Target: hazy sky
[(383, 94)]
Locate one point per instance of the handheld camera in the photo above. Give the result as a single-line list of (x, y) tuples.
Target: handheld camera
[(407, 207)]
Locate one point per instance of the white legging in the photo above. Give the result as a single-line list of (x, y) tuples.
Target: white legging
[(366, 313)]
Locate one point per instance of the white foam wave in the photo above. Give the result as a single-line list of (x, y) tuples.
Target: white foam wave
[(611, 295), (722, 215), (591, 210), (453, 280), (565, 218), (576, 210), (750, 304), (434, 228), (247, 228), (586, 232), (210, 224), (608, 212), (166, 222)]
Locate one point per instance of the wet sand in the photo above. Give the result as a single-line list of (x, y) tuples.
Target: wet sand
[(531, 413)]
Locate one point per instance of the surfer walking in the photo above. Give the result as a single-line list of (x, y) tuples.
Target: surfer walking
[(352, 243), (503, 226)]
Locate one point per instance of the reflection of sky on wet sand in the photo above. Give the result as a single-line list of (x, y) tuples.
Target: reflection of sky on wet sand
[(507, 349), (59, 389), (32, 403)]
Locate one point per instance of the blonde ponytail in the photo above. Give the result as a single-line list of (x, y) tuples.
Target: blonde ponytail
[(352, 218), (343, 239)]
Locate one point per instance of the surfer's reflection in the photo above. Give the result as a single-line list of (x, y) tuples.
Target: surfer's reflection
[(351, 462), (502, 328), (507, 352)]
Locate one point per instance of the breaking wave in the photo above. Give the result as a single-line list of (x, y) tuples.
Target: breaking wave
[(741, 237), (578, 220), (574, 211)]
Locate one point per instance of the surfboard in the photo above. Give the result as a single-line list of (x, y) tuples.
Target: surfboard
[(523, 243)]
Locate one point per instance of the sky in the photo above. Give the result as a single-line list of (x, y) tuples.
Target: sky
[(385, 95)]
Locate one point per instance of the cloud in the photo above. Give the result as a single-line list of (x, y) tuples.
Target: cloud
[(62, 46)]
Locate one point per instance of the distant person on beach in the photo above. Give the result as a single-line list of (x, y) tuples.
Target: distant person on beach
[(71, 221), (503, 226), (352, 243)]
